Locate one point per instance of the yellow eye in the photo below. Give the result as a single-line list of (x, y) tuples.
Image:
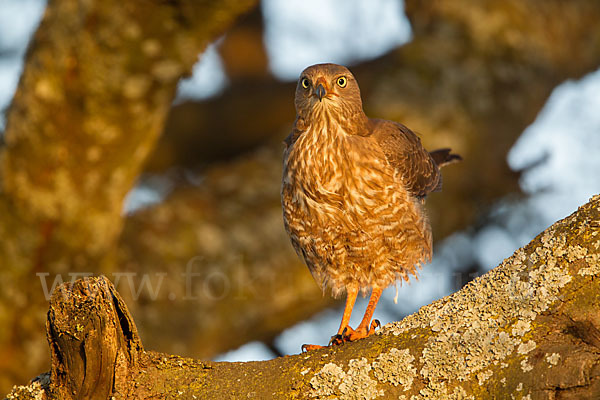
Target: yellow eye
[(305, 83), (342, 81)]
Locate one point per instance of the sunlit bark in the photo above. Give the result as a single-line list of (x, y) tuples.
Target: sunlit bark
[(530, 328)]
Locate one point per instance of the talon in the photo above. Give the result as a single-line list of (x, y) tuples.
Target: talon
[(375, 324), (349, 334), (336, 340)]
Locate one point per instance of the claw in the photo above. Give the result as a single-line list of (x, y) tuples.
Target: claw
[(348, 335), (375, 324), (336, 340)]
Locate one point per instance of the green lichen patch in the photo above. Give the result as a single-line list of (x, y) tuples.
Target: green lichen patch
[(326, 381), (593, 262), (35, 390), (521, 328), (457, 393), (526, 347)]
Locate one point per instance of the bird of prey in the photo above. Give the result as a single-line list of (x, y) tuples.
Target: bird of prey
[(352, 193)]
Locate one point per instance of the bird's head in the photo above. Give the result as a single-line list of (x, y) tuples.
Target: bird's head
[(329, 89)]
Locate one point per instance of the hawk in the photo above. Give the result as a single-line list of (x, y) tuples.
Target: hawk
[(352, 193)]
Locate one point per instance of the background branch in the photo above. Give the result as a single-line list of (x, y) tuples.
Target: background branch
[(98, 82)]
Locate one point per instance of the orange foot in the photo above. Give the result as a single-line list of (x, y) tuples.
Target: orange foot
[(350, 335), (347, 335)]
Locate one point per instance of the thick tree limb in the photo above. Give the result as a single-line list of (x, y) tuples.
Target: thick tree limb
[(530, 328), (98, 84)]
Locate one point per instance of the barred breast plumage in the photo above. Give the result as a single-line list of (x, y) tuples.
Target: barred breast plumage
[(352, 192)]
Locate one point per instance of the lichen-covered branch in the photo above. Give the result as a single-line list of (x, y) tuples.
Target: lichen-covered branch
[(529, 329), (98, 83)]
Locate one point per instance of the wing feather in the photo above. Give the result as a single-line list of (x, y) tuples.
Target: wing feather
[(404, 151)]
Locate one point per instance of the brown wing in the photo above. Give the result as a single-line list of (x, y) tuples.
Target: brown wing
[(403, 150), (296, 132)]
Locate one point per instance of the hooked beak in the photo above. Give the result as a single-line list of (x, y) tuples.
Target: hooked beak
[(320, 91)]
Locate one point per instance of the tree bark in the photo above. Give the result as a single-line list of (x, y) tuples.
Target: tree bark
[(528, 329), (93, 340)]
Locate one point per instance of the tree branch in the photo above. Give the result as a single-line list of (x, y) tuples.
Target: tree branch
[(98, 83), (529, 328)]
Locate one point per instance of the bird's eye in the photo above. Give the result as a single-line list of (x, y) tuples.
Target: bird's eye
[(305, 83), (342, 81)]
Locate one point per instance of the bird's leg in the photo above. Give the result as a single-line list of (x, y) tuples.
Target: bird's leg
[(351, 293), (366, 327)]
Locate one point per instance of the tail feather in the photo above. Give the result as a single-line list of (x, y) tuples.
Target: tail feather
[(443, 157)]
